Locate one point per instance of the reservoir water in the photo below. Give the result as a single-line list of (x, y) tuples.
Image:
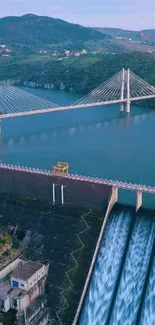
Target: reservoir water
[(94, 141)]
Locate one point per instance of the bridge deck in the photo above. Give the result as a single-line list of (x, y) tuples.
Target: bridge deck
[(72, 107)]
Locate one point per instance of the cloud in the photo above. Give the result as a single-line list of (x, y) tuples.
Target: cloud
[(131, 14)]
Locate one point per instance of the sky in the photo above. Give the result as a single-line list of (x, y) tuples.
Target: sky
[(127, 14)]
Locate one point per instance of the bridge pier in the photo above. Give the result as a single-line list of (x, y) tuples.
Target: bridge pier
[(139, 200), (114, 197), (128, 105), (121, 107)]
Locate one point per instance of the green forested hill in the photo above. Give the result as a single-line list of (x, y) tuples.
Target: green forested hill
[(117, 32), (36, 31), (143, 35), (80, 74)]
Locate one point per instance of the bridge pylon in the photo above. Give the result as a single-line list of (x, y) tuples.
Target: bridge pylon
[(122, 90), (125, 90), (128, 103)]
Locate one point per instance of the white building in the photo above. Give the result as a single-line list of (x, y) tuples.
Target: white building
[(84, 51), (67, 53), (28, 275), (26, 283), (77, 53)]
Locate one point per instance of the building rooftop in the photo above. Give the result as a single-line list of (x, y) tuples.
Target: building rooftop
[(6, 290), (27, 270)]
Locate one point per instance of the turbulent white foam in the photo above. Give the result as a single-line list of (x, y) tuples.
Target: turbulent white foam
[(134, 272), (106, 272), (148, 309)]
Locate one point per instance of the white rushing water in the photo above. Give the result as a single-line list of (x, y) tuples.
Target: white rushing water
[(129, 295), (103, 283), (148, 313)]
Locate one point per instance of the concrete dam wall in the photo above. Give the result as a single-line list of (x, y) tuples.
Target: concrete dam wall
[(40, 186)]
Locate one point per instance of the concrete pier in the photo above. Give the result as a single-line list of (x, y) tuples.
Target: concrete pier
[(121, 107), (139, 200), (128, 104)]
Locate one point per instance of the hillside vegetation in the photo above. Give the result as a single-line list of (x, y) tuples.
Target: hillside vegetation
[(25, 65), (35, 32), (78, 74), (117, 32), (143, 35)]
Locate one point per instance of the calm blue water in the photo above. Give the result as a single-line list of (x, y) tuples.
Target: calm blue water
[(95, 141)]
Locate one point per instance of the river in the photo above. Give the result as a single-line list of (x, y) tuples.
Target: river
[(94, 141)]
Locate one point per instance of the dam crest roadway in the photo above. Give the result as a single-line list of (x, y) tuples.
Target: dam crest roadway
[(95, 180), (115, 185)]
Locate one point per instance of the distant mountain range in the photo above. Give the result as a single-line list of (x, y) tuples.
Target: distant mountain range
[(144, 35), (30, 33), (36, 31)]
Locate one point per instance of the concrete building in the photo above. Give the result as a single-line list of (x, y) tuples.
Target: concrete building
[(28, 275), (25, 284)]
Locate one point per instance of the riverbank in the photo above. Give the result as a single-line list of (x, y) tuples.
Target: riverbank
[(81, 74)]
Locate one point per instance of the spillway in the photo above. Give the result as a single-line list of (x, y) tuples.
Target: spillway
[(147, 316), (118, 293), (134, 272)]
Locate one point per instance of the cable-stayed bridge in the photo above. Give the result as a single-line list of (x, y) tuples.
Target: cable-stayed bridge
[(123, 88)]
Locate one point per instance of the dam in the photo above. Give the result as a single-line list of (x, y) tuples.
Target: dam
[(64, 188), (92, 143), (76, 228), (45, 185), (68, 189)]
